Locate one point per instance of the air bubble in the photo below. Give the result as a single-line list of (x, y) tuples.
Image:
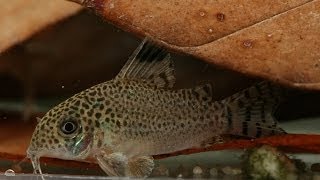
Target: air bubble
[(9, 172)]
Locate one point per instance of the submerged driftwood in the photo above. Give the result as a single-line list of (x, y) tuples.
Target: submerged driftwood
[(278, 40)]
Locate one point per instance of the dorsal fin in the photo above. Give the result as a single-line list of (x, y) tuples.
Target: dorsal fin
[(151, 64)]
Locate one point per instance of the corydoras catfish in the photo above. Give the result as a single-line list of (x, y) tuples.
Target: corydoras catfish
[(121, 123)]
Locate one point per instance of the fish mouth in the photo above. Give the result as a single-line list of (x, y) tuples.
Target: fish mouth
[(35, 161), (62, 153)]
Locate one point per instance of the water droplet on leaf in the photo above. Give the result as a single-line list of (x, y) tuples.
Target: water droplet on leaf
[(247, 43), (220, 17), (202, 13)]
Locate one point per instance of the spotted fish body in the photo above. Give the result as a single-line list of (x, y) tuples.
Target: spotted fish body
[(123, 122)]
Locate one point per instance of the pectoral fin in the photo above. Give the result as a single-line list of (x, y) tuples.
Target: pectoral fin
[(117, 164), (141, 166), (113, 164)]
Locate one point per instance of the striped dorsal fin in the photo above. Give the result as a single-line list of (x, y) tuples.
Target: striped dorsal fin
[(151, 64)]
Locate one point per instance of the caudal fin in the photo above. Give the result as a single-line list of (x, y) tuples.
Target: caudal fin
[(250, 112)]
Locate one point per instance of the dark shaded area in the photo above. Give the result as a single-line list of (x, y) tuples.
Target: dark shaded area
[(11, 87), (299, 104)]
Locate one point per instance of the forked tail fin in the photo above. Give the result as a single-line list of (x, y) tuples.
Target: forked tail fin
[(250, 112)]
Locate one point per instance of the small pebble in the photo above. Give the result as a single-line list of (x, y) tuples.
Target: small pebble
[(160, 171), (197, 170), (9, 172), (213, 172), (182, 172), (315, 167), (231, 171), (299, 165), (179, 176), (227, 170), (237, 171)]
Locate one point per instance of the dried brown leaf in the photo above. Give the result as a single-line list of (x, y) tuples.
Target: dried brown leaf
[(278, 40)]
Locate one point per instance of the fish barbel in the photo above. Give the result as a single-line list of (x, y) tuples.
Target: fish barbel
[(121, 123)]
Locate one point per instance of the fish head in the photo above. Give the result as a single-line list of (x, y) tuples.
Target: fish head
[(61, 133)]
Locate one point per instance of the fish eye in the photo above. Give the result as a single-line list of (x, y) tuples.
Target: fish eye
[(69, 127)]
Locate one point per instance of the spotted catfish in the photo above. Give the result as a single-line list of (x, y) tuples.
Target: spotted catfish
[(123, 122)]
